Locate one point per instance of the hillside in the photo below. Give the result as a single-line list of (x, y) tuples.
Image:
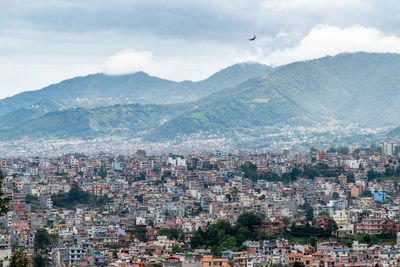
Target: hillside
[(124, 120), (106, 90), (349, 89), (353, 88)]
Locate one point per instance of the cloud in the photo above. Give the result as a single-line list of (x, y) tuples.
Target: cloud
[(325, 40), (179, 39), (129, 61), (311, 5), (173, 67)]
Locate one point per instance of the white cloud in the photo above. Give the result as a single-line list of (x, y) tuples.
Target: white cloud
[(325, 40), (290, 5), (321, 41), (192, 63), (129, 61)]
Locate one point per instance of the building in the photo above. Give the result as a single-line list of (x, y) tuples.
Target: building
[(388, 148), (355, 191), (177, 161), (209, 260), (380, 196), (371, 226), (274, 228)]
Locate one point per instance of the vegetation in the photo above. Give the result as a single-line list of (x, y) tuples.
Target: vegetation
[(309, 231), (44, 242), (34, 201), (251, 171), (304, 88), (102, 110), (19, 259), (140, 232), (310, 172), (77, 196), (40, 261), (321, 170), (141, 152), (222, 235), (171, 233)]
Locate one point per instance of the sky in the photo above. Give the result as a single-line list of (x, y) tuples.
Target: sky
[(46, 41)]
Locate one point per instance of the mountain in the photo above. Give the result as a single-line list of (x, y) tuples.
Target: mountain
[(105, 90), (26, 114), (357, 88), (124, 120), (247, 108)]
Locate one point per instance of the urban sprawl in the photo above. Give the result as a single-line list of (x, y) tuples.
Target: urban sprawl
[(334, 207)]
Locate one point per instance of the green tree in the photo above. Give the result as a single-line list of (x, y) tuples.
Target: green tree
[(294, 174), (343, 150), (309, 211), (285, 220), (140, 233), (141, 152), (248, 220), (335, 195), (42, 240), (331, 150), (250, 171), (242, 235), (19, 259), (229, 243), (176, 248), (40, 261), (198, 239), (366, 238), (313, 242), (332, 226), (171, 233)]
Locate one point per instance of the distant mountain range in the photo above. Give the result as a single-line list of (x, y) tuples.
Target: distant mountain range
[(138, 88), (357, 88), (243, 100)]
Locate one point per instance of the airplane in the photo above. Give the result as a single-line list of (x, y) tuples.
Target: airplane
[(252, 39)]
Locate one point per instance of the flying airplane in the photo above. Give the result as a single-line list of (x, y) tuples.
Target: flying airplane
[(252, 39)]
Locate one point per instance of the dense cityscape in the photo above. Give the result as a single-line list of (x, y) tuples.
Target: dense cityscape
[(335, 207), (180, 133)]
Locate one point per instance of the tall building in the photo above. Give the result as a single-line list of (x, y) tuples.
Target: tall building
[(388, 148)]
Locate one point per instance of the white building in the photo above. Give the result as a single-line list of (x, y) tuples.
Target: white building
[(177, 161), (388, 148)]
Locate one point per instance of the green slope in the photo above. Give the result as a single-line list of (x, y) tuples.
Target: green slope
[(27, 114), (361, 87), (255, 103), (128, 120), (104, 90)]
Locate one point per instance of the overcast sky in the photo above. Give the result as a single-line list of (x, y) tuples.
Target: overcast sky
[(46, 41)]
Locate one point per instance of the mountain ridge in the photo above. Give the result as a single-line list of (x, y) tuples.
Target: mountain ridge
[(352, 89), (138, 87)]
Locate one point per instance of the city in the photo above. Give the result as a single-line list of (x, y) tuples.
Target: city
[(181, 133), (335, 207)]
